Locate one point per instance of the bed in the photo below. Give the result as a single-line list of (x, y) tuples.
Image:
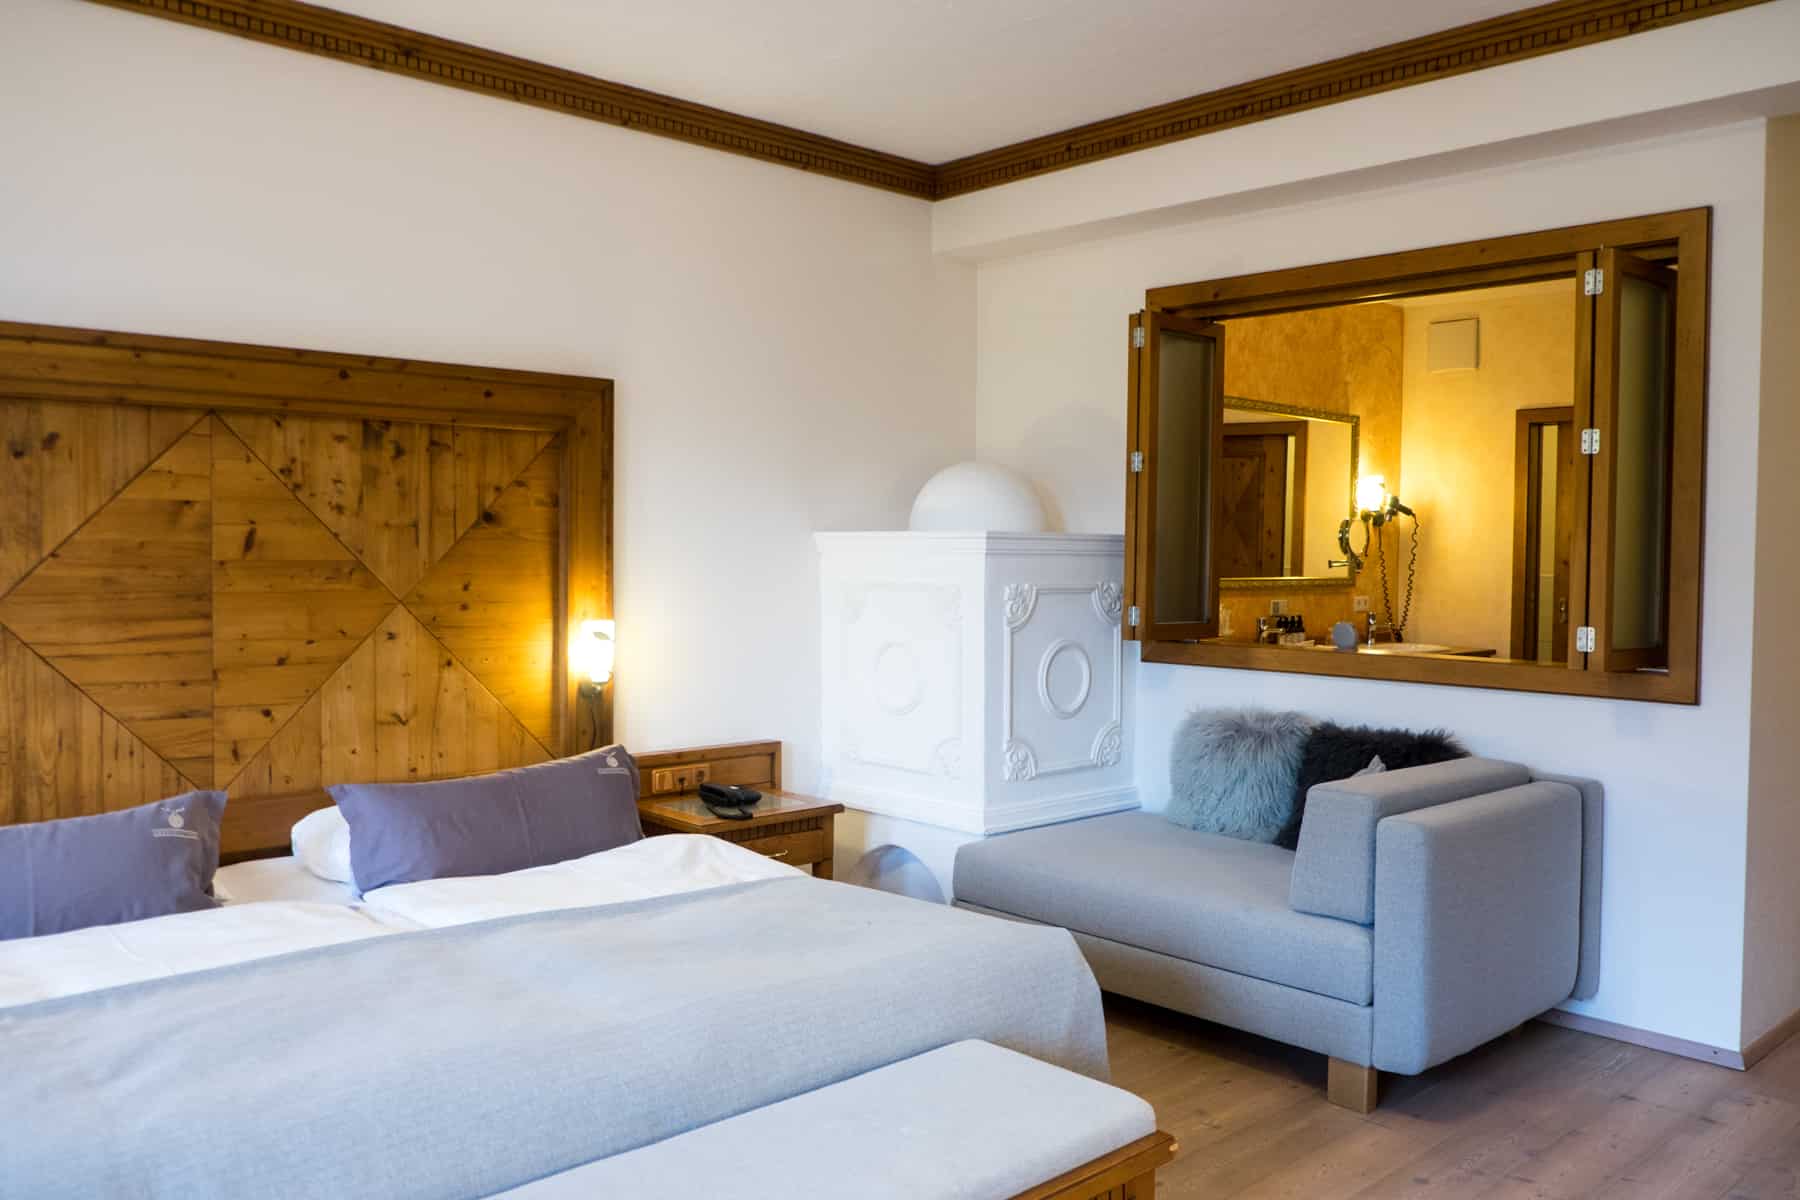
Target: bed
[(419, 1045), (257, 571)]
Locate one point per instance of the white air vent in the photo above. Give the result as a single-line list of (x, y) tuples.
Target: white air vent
[(1453, 345)]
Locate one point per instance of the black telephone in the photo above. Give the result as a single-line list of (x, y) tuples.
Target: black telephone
[(732, 803)]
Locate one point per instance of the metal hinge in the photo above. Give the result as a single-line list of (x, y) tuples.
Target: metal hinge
[(1137, 461), (1593, 281), (1584, 640), (1137, 338), (1590, 441), (1131, 616)]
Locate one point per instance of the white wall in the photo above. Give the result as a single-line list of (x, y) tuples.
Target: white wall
[(789, 356), (1772, 919), (1051, 395)]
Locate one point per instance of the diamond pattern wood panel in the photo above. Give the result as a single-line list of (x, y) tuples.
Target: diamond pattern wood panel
[(204, 616), (401, 707), (123, 608), (63, 461), (62, 755), (290, 603), (396, 493), (491, 599)]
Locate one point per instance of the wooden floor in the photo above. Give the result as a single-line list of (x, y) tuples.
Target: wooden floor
[(1546, 1112)]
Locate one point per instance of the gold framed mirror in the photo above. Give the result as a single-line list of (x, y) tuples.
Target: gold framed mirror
[(1288, 481)]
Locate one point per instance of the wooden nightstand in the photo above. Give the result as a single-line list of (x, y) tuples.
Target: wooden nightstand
[(795, 829)]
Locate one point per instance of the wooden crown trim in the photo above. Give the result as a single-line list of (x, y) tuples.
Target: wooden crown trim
[(353, 39), (1513, 37)]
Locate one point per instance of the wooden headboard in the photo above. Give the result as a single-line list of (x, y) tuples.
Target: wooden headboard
[(268, 570)]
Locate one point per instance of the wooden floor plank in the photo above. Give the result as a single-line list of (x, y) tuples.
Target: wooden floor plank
[(1550, 1114)]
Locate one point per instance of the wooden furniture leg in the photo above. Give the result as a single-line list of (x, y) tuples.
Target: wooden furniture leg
[(822, 869), (1350, 1086)]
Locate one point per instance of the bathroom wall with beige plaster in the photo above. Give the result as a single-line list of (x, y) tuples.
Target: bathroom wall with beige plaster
[(1457, 454), (1347, 360)]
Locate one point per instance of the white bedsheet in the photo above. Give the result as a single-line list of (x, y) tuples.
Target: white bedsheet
[(656, 866), (85, 960), (280, 878)]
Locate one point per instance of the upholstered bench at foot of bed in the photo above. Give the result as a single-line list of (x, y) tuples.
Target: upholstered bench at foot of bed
[(970, 1121)]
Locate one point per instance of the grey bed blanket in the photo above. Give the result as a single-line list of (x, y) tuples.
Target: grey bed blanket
[(465, 1061)]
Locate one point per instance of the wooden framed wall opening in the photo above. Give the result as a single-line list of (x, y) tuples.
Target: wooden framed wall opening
[(266, 571), (1626, 526)]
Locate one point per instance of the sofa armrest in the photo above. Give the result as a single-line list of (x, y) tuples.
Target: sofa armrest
[(1477, 920), (1334, 865)]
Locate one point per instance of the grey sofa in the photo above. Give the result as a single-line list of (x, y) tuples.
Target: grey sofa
[(1425, 912)]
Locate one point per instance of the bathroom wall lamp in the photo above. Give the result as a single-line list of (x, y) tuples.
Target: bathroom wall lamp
[(1375, 508), (1371, 493)]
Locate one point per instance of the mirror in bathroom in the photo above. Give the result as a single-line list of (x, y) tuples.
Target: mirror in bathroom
[(1287, 480)]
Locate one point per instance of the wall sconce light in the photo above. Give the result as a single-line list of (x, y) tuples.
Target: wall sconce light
[(591, 660), (592, 655), (1375, 508), (1371, 494)]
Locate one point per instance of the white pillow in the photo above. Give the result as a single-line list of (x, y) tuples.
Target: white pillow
[(322, 844)]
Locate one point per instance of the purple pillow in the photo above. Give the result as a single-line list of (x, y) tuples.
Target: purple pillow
[(490, 824), (141, 862)]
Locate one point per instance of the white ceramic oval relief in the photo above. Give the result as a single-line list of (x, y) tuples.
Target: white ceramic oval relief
[(1065, 678)]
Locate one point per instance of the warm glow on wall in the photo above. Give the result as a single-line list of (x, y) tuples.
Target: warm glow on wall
[(591, 657)]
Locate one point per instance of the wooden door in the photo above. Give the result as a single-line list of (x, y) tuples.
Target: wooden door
[(1544, 499), (1259, 531)]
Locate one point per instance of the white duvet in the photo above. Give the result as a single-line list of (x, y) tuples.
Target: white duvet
[(85, 960), (655, 866)]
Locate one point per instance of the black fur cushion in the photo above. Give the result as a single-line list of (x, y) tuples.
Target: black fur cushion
[(1334, 752)]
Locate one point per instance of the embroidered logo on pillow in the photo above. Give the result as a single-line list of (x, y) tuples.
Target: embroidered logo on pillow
[(176, 827)]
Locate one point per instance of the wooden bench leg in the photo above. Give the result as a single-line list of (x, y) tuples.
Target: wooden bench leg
[(1350, 1086), (1128, 1173)]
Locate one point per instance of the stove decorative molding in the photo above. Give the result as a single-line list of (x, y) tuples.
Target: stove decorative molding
[(975, 682)]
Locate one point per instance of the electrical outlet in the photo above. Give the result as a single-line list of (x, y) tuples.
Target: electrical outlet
[(1360, 604), (1278, 608), (679, 779)]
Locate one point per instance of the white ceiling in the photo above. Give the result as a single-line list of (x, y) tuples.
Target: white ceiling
[(929, 79)]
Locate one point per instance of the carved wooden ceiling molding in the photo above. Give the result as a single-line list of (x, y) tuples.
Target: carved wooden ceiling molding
[(1545, 29)]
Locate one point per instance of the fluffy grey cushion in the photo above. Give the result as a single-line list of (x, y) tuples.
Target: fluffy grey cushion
[(1233, 770)]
